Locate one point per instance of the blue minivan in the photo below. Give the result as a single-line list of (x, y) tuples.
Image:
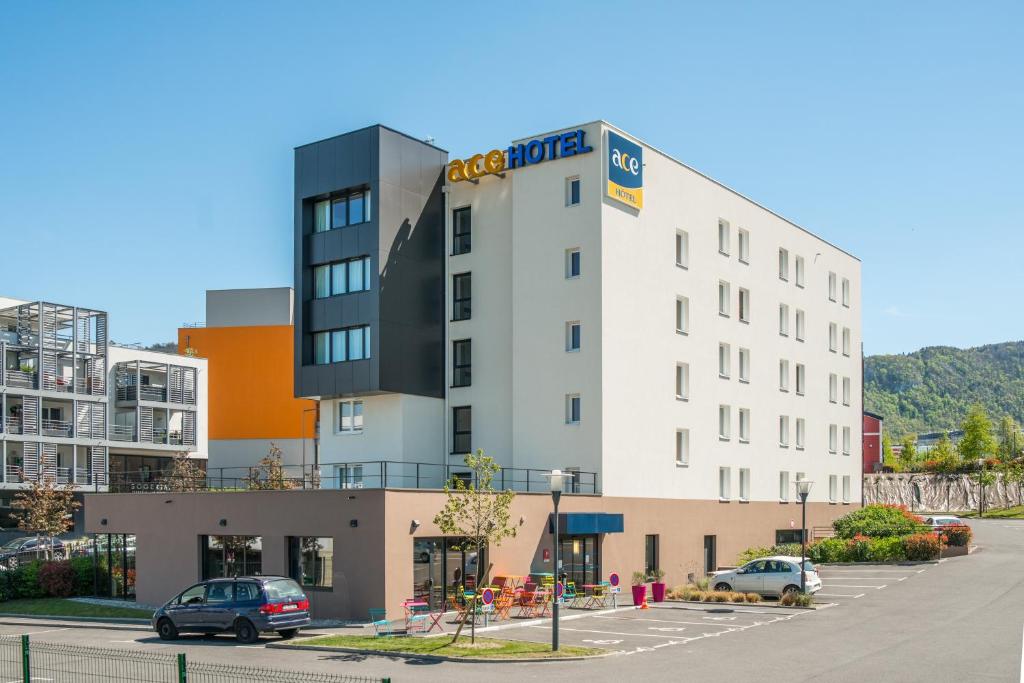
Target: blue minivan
[(245, 606)]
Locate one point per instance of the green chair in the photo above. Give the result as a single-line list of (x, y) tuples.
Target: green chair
[(381, 625)]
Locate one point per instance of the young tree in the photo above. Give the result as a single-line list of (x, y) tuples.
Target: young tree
[(977, 442), (888, 459), (1010, 440), (47, 509), (478, 515), (269, 474), (909, 453), (185, 474)]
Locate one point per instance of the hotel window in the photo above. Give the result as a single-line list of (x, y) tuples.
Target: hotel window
[(230, 556), (800, 476), (784, 320), (801, 430), (462, 231), (846, 292), (801, 377), (462, 363), (723, 237), (336, 346), (572, 336), (723, 298), (744, 365), (322, 216), (783, 265), (799, 266), (683, 381), (572, 409), (846, 391), (832, 481), (784, 431), (846, 440), (744, 246), (572, 191), (343, 277), (833, 387), (744, 306), (831, 286), (462, 296), (846, 341), (784, 487), (724, 482), (833, 337), (462, 429), (744, 425), (351, 209), (311, 561), (833, 436), (350, 417), (744, 484), (724, 353), (682, 446), (572, 263), (783, 375), (682, 249), (724, 427), (800, 325), (682, 315), (846, 488)]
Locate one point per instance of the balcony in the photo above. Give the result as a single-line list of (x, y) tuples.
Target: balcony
[(145, 393), (121, 433), (22, 379), (58, 428), (13, 475), (13, 425), (60, 383)]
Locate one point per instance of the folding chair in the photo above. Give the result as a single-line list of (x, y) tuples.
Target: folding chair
[(418, 619), (381, 625), (569, 594)]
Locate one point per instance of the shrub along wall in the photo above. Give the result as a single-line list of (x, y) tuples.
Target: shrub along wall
[(41, 579)]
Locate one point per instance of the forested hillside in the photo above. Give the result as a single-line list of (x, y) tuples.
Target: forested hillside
[(930, 390)]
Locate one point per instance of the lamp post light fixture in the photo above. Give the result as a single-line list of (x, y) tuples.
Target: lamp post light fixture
[(557, 480), (803, 489)]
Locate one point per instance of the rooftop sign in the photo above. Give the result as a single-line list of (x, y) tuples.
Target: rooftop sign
[(535, 151)]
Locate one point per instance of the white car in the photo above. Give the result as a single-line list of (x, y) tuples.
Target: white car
[(768, 576), (939, 522)]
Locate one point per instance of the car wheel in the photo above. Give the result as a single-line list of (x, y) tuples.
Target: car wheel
[(791, 589), (58, 555), (723, 587), (166, 629), (288, 633), (12, 563), (245, 632)]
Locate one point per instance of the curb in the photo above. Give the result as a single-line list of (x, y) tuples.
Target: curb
[(909, 563), (116, 623), (437, 658)]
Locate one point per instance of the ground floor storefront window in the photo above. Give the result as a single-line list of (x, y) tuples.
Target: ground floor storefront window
[(114, 565), (443, 569), (228, 556), (581, 559), (311, 561)]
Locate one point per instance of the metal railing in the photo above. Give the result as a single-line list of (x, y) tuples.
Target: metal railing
[(59, 428), (159, 435), (364, 475), (12, 475), (14, 425), (22, 379), (22, 660), (145, 393), (121, 433), (53, 382)]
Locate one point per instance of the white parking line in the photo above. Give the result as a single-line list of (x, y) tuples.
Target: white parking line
[(840, 595), (860, 578), (613, 633), (877, 588), (1022, 658)]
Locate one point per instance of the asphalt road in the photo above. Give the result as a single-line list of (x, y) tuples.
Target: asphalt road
[(961, 620)]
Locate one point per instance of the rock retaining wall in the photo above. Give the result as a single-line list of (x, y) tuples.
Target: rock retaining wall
[(938, 492)]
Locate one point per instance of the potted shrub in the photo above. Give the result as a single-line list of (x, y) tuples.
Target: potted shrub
[(658, 585), (639, 587)]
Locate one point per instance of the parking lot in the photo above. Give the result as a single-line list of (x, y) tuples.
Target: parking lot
[(844, 584)]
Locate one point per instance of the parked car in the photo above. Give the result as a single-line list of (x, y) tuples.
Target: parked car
[(26, 547), (246, 606), (940, 522), (768, 576)]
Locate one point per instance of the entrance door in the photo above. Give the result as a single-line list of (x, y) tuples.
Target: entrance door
[(580, 559), (710, 561)]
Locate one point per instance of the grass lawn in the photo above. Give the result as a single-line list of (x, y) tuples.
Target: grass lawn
[(59, 607), (441, 645), (1003, 513)]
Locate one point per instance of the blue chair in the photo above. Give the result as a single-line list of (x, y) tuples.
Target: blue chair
[(381, 625)]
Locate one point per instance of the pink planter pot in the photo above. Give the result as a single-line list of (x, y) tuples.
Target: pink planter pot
[(658, 592), (639, 593)]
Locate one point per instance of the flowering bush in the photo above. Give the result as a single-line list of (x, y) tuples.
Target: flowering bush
[(958, 535), (919, 547), (878, 521), (57, 579)]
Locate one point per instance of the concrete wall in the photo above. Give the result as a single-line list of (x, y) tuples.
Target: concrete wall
[(249, 307), (236, 453), (922, 492)]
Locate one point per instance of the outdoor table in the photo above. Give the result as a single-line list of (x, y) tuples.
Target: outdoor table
[(416, 612)]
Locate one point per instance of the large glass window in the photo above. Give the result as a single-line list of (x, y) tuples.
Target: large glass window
[(337, 346), (462, 363), (650, 554), (355, 275), (356, 208), (311, 560), (462, 429), (322, 348), (462, 296), (442, 569), (227, 556), (461, 231), (352, 209), (339, 213), (342, 277), (321, 216), (322, 282)]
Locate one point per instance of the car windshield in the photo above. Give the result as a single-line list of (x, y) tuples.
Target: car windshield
[(284, 589), (16, 543)]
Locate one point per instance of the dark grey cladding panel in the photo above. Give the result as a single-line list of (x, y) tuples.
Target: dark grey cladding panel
[(336, 163)]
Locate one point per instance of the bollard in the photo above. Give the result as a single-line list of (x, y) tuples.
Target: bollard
[(26, 669), (182, 674)]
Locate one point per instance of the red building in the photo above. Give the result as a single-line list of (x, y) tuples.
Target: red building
[(872, 442)]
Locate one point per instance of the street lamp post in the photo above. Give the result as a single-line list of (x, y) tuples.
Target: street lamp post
[(981, 487), (803, 489), (556, 478)]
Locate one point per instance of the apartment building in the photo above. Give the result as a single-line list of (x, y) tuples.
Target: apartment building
[(576, 300), (81, 410)]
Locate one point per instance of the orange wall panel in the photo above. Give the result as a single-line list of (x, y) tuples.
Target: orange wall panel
[(250, 382)]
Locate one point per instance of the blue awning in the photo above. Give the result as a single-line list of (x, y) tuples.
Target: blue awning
[(580, 523)]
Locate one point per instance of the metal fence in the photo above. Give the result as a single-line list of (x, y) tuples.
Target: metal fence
[(23, 662)]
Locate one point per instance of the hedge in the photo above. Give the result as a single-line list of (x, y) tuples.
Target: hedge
[(878, 521), (887, 549), (40, 579)]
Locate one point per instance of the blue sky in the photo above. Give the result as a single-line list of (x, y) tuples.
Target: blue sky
[(146, 148)]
